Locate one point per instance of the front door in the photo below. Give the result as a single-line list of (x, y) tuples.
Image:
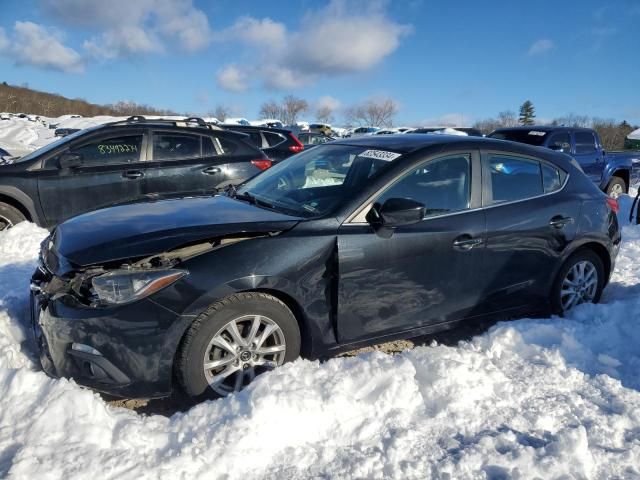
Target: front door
[(425, 273), (588, 155), (110, 172)]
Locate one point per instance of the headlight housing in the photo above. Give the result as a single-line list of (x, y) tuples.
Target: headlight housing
[(125, 286)]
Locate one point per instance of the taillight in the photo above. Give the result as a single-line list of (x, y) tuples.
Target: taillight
[(613, 204), (298, 147), (262, 163)]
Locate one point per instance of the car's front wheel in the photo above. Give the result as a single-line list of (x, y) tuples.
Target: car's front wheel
[(235, 340), (9, 216), (580, 280)]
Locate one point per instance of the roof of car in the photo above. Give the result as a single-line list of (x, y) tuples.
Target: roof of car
[(541, 128), (254, 128), (407, 142)]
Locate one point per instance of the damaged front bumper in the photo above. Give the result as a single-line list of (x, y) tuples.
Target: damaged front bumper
[(125, 350)]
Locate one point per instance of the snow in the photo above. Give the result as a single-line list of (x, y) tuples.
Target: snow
[(533, 398)]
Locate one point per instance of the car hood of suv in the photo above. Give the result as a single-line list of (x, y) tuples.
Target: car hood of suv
[(143, 229)]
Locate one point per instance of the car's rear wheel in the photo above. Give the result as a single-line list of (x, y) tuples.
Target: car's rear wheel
[(580, 280), (9, 216), (616, 187), (235, 340)]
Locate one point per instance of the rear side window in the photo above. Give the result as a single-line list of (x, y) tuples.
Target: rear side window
[(442, 185), (175, 146), (514, 178), (214, 146), (552, 178), (560, 142), (273, 139), (125, 149), (585, 142)]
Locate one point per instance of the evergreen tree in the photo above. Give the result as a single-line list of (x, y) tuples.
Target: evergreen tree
[(527, 113)]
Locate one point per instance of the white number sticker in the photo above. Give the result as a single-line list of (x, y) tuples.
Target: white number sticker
[(380, 155), (538, 133)]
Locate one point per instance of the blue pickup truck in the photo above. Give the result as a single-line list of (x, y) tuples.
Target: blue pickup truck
[(613, 172)]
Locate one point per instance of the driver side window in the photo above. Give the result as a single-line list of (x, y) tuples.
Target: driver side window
[(442, 185), (109, 151)]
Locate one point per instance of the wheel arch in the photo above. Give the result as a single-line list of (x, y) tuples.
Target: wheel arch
[(19, 200)]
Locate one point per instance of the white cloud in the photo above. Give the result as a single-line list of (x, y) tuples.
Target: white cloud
[(122, 41), (232, 79), (264, 33), (541, 46), (344, 44), (343, 37), (36, 45), (330, 102), (131, 27)]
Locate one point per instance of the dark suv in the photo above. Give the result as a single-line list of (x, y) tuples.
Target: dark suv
[(121, 162), (276, 143)]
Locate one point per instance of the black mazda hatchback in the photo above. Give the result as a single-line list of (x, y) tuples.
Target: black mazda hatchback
[(350, 243)]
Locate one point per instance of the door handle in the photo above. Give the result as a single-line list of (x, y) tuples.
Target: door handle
[(560, 222), (465, 242), (133, 174), (211, 170)]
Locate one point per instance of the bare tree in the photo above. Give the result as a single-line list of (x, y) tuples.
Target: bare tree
[(572, 120), (270, 109), (507, 118), (292, 107), (324, 114), (373, 112), (487, 125), (221, 112)]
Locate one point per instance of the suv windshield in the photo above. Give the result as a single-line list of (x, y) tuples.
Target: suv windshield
[(313, 183), (531, 137)]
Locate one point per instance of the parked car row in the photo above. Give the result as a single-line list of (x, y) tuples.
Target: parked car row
[(121, 162), (346, 244)]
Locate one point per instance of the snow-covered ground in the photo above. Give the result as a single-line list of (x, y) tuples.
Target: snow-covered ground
[(555, 398), (20, 136)]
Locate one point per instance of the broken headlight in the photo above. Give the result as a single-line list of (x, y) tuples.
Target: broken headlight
[(124, 286)]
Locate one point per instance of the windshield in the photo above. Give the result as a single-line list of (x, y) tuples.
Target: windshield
[(313, 183), (53, 145), (530, 137)]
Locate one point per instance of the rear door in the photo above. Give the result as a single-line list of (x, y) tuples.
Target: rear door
[(530, 221), (111, 172), (183, 163), (588, 155)]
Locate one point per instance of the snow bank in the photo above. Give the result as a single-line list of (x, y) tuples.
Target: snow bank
[(530, 398)]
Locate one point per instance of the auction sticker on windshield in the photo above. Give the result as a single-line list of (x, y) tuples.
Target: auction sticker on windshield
[(380, 155)]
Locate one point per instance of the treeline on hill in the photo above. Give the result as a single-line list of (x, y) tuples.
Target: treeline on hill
[(612, 133), (26, 100)]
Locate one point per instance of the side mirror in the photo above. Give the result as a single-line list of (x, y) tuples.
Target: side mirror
[(396, 212), (70, 160)]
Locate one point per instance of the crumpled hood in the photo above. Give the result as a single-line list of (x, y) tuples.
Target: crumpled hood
[(142, 229)]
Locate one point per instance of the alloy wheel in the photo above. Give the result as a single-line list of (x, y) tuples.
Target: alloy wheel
[(616, 190), (242, 349), (579, 285), (5, 223)]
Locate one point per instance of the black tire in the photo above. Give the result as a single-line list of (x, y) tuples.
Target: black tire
[(616, 187), (579, 256), (189, 360), (9, 216)]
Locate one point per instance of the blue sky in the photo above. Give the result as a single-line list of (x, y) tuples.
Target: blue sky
[(442, 61)]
